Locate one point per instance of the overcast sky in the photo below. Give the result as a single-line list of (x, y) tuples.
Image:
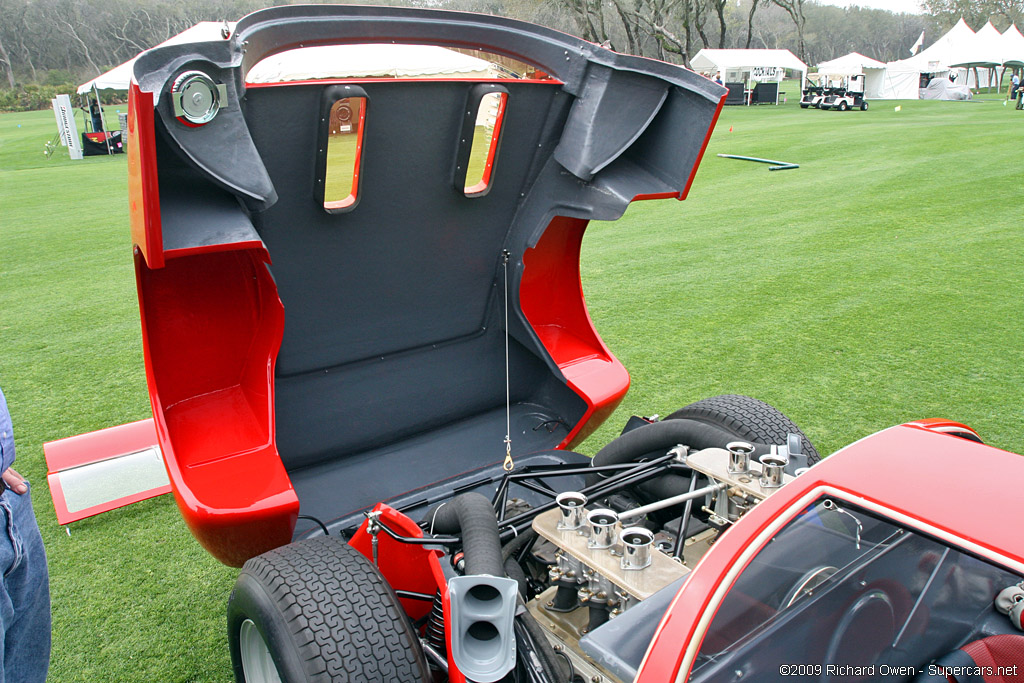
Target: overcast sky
[(908, 6)]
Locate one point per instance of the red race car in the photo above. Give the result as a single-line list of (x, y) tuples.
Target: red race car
[(357, 236)]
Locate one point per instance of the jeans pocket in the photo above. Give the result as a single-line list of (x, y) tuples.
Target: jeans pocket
[(13, 538)]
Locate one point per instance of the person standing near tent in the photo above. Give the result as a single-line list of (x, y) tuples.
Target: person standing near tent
[(25, 589), (97, 117), (1014, 86)]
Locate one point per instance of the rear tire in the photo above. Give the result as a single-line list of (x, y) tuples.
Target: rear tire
[(863, 106), (843, 106), (316, 611), (749, 419)]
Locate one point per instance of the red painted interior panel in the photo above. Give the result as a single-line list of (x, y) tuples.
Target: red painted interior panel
[(408, 567), (143, 186), (551, 295), (86, 449), (214, 406), (103, 444)]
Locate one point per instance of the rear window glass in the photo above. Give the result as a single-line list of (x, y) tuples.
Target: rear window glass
[(344, 152), (486, 134)]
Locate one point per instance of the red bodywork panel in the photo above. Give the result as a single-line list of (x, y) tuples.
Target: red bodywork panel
[(214, 406), (143, 185), (409, 568), (915, 474), (552, 298), (210, 356), (94, 447)]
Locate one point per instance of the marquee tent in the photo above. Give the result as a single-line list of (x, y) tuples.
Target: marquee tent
[(856, 64), (902, 79), (983, 49), (1013, 47), (745, 65)]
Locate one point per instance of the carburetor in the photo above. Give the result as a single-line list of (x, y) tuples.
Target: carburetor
[(607, 565), (599, 564)]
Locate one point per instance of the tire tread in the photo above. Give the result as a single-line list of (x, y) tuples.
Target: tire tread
[(748, 418), (344, 619)]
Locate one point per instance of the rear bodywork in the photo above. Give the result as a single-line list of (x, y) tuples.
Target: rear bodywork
[(319, 360)]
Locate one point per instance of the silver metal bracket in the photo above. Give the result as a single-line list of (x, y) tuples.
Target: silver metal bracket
[(196, 98)]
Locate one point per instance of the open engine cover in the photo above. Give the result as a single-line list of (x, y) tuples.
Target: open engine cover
[(303, 358)]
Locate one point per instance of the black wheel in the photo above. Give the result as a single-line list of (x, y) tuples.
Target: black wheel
[(316, 611), (749, 419), (842, 106), (863, 106), (804, 106)]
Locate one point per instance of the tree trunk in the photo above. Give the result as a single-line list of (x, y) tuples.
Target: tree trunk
[(5, 59), (699, 19), (720, 10), (750, 22), (627, 26), (795, 10)]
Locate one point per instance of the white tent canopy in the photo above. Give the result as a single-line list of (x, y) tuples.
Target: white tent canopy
[(120, 77), (746, 61), (959, 45), (856, 64), (961, 53), (1013, 47), (939, 56), (368, 61), (852, 64), (984, 48)]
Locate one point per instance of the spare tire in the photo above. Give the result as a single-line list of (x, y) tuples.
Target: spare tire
[(317, 611), (748, 419)]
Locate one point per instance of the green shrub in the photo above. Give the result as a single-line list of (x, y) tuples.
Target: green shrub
[(34, 96)]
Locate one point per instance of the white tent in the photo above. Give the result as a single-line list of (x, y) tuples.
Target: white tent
[(856, 64), (369, 61), (743, 65), (1013, 47), (902, 79), (953, 48), (120, 77), (985, 48)]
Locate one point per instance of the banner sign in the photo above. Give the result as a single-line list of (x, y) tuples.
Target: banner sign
[(766, 73), (65, 114)]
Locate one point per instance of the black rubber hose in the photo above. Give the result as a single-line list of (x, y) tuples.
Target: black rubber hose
[(665, 486), (517, 543), (659, 437), (514, 571), (472, 517)]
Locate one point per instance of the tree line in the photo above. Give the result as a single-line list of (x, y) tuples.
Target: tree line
[(70, 41)]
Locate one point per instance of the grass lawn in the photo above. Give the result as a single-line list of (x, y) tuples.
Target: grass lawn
[(881, 281)]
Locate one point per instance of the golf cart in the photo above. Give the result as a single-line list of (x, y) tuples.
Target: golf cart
[(850, 95), (813, 94)]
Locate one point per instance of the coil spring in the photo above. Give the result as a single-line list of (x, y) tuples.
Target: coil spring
[(435, 625)]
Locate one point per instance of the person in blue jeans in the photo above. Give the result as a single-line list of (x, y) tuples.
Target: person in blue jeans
[(25, 590)]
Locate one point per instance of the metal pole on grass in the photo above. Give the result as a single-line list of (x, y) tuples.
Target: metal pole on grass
[(103, 124)]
